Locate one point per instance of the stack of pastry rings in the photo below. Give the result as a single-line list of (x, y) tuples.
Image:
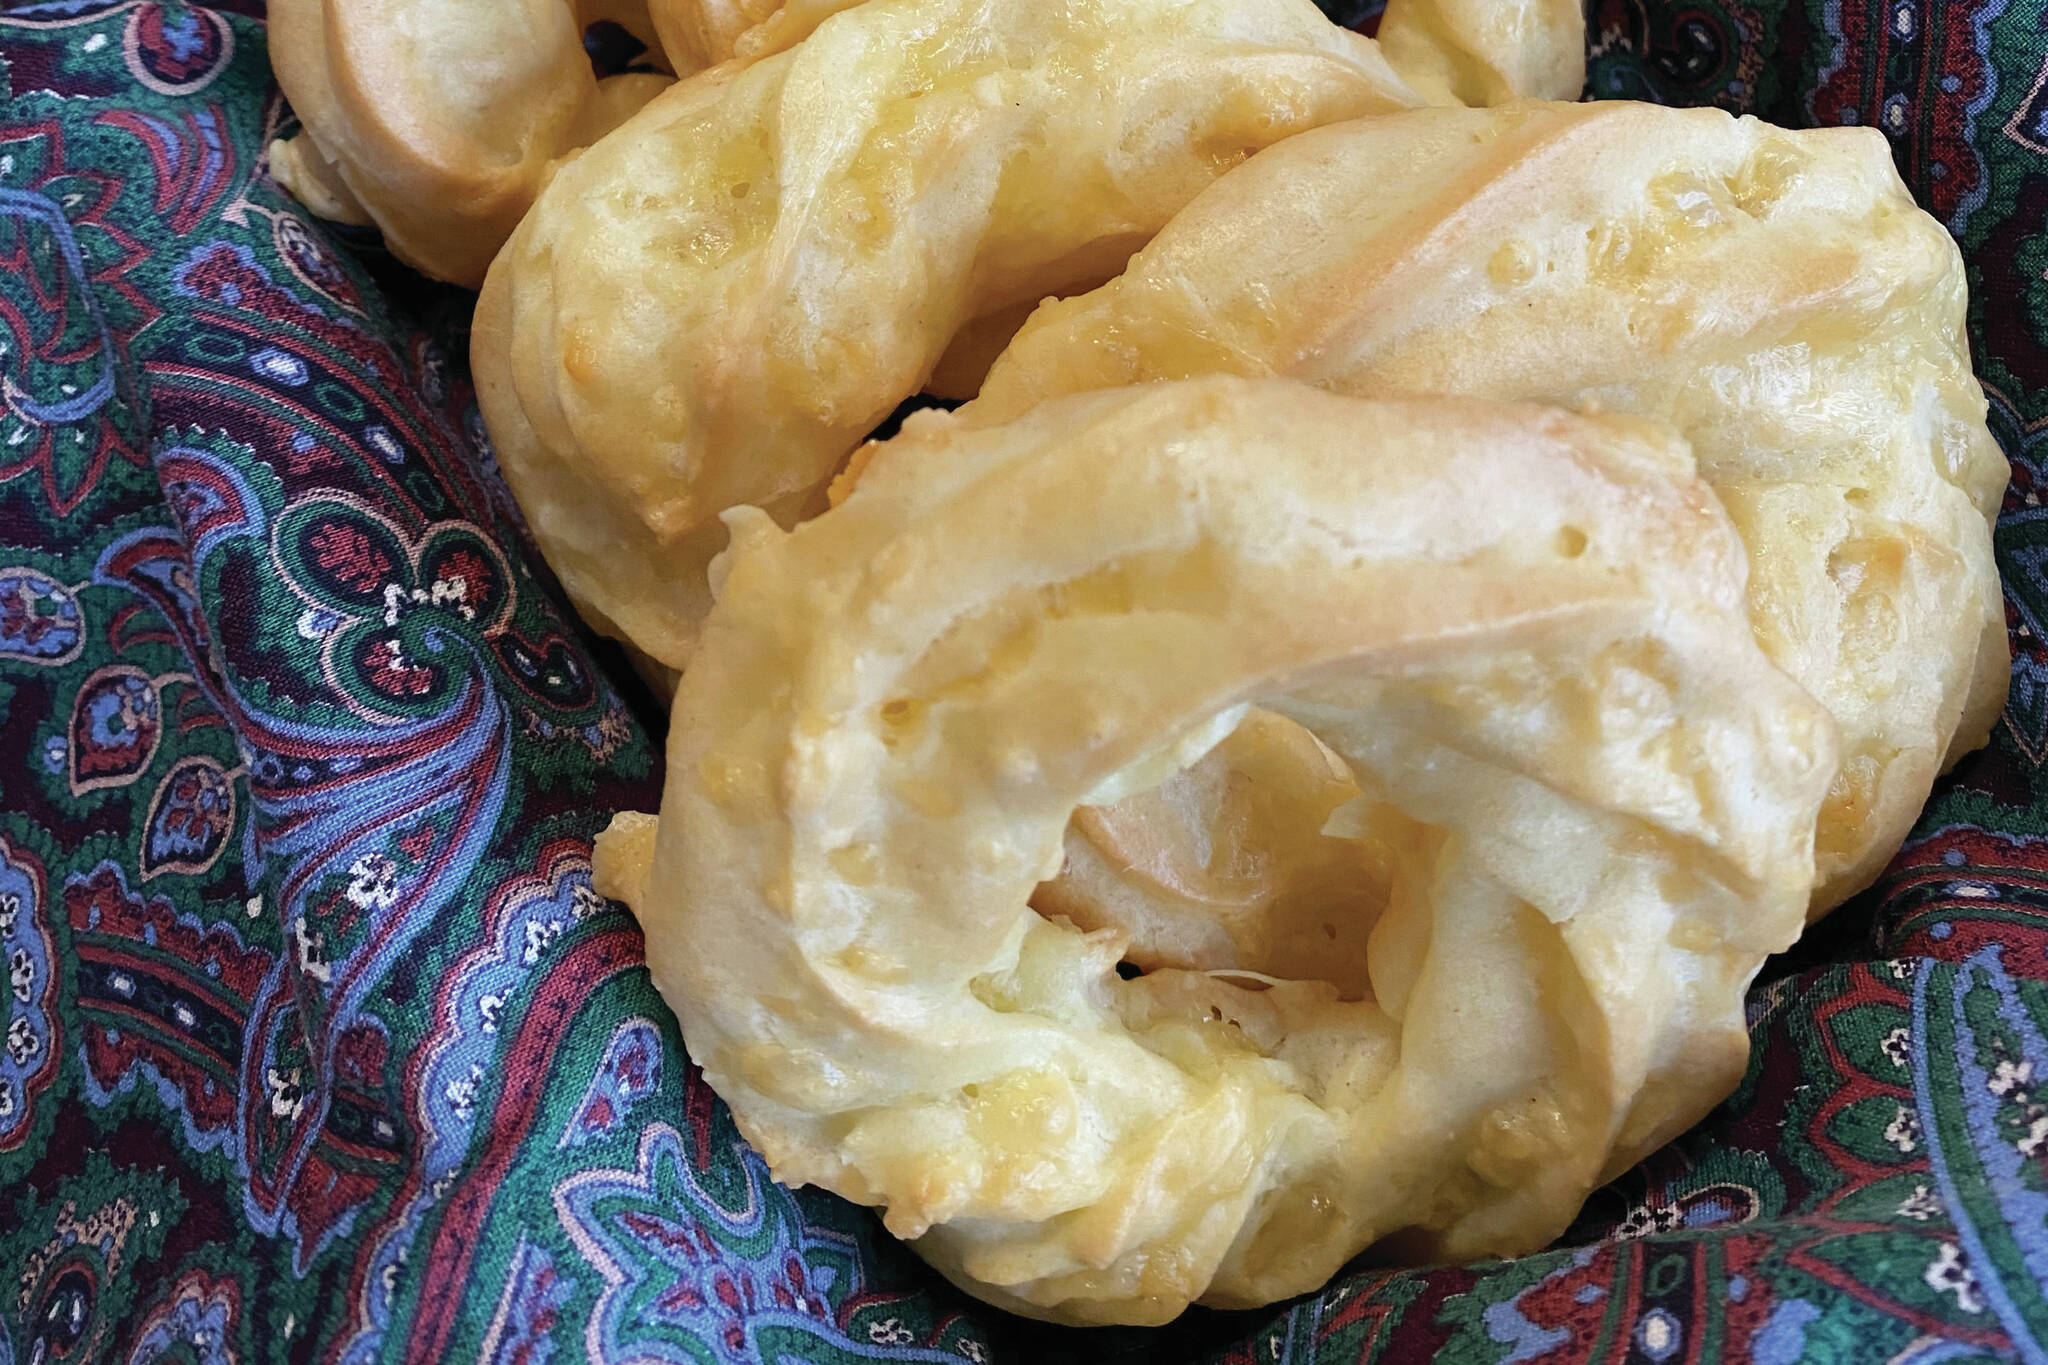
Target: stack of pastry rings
[(1447, 766)]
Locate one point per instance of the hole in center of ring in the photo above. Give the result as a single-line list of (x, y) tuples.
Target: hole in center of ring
[(1260, 861)]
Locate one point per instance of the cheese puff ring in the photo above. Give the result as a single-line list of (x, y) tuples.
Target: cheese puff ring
[(713, 306), (438, 119), (1597, 796), (1773, 295)]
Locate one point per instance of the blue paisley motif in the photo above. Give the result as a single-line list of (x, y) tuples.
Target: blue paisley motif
[(1991, 1180), (67, 374), (39, 618), (535, 1294), (629, 1072), (522, 924), (683, 1272), (28, 1018)]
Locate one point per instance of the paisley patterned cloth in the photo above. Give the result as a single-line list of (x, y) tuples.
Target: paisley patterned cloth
[(316, 1045)]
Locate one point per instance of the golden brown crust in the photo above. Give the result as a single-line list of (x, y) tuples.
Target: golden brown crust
[(896, 708), (716, 304), (1774, 295)]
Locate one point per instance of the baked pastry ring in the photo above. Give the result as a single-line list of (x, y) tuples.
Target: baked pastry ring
[(1774, 295), (1595, 793), (717, 303), (438, 119)]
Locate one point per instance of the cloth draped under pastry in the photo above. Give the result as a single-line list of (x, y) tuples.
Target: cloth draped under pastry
[(317, 1044)]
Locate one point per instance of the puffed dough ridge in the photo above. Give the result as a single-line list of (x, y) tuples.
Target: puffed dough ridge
[(1596, 794)]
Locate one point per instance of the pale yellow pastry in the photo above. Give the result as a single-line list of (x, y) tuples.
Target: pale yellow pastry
[(1486, 52), (716, 303), (437, 119), (1774, 295), (695, 34), (1591, 794)]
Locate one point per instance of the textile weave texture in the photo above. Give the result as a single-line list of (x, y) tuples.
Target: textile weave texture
[(317, 1046)]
